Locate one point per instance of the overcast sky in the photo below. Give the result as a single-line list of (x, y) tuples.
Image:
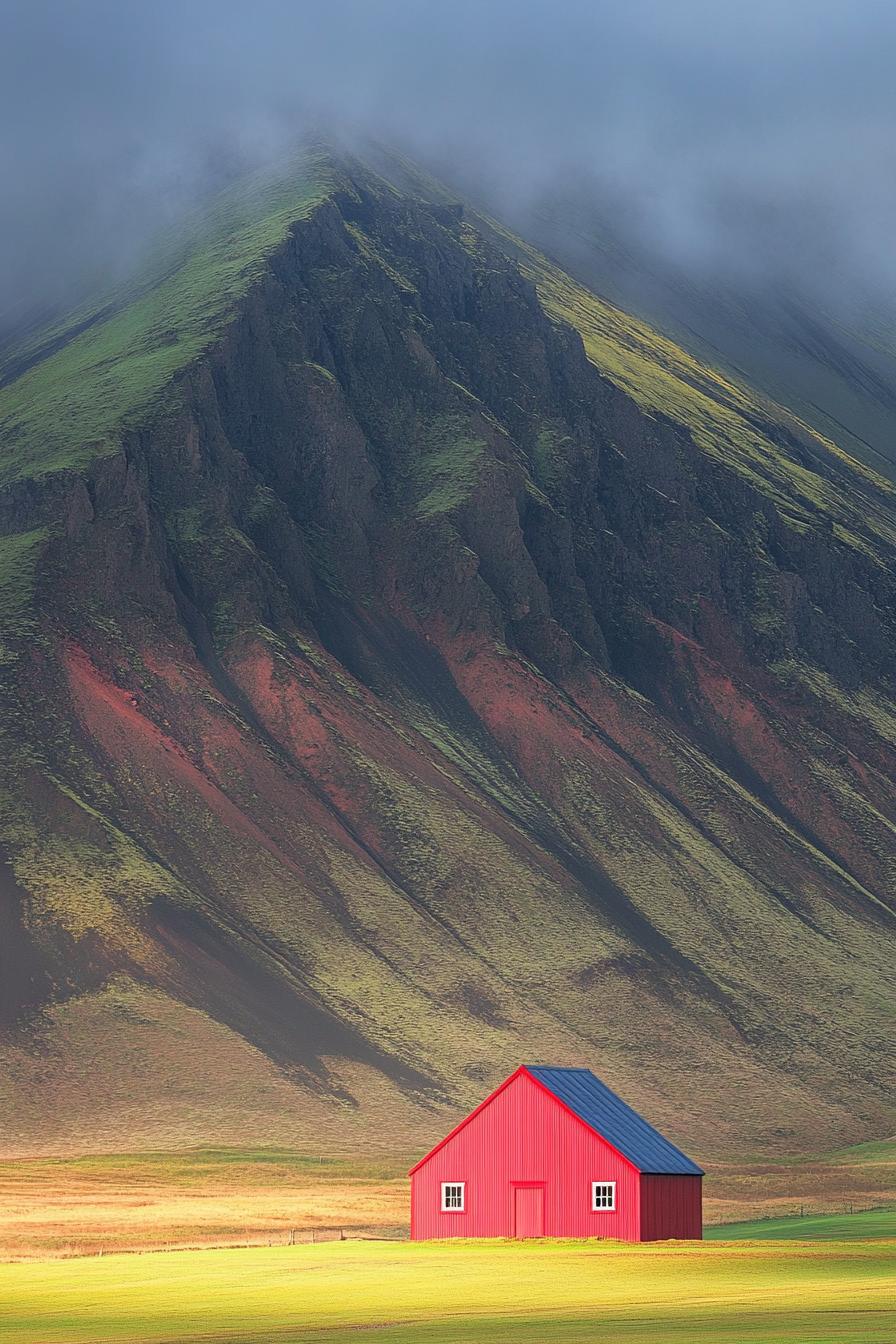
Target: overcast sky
[(758, 134)]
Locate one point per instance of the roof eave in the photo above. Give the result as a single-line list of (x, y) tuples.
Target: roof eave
[(698, 1171)]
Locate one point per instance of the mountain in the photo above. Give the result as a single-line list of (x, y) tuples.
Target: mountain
[(412, 664), (834, 365)]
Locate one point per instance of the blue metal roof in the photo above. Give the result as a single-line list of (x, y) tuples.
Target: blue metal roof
[(605, 1113)]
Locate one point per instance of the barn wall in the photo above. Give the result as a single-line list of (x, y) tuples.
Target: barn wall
[(671, 1206), (524, 1134)]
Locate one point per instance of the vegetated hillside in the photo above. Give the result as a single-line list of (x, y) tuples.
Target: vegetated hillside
[(834, 367), (400, 683)]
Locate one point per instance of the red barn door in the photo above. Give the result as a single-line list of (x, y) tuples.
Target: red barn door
[(528, 1210)]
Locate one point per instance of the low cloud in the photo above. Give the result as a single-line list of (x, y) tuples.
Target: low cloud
[(756, 140)]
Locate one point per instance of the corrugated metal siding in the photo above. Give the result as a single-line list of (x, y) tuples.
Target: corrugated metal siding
[(671, 1206), (593, 1102), (523, 1135)]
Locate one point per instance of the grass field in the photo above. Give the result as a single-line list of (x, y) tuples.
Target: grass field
[(201, 1197), (826, 1293), (206, 1197), (867, 1223)]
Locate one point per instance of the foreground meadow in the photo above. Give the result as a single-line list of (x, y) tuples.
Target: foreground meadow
[(438, 1292)]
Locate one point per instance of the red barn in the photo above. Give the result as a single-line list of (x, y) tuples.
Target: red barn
[(554, 1153)]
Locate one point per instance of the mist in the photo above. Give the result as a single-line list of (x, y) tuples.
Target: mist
[(758, 141)]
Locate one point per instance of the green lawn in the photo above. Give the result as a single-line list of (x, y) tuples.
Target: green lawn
[(812, 1227), (465, 1291)]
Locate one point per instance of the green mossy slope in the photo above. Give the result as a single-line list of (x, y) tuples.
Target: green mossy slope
[(106, 366)]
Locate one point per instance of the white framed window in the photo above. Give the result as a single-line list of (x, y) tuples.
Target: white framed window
[(603, 1196), (453, 1193)]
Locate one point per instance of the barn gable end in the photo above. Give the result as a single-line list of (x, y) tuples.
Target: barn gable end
[(530, 1161)]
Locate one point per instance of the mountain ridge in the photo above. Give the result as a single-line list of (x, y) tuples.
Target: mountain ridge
[(834, 366)]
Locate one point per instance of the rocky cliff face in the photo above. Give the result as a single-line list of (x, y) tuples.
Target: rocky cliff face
[(399, 699)]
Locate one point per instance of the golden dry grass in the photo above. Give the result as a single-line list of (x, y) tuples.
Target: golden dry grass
[(205, 1197), (862, 1177), (229, 1197)]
